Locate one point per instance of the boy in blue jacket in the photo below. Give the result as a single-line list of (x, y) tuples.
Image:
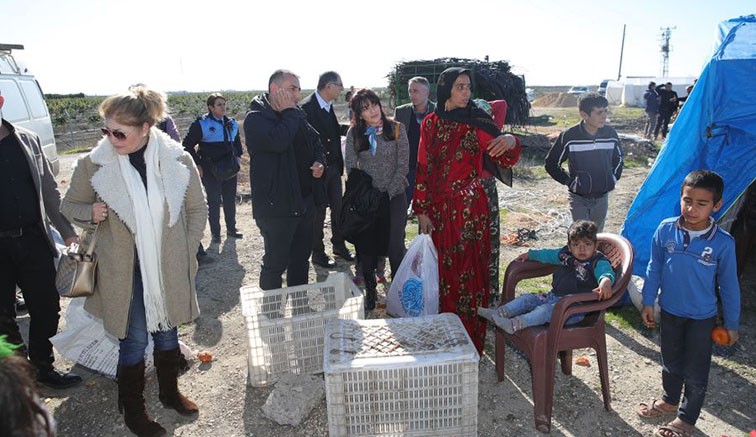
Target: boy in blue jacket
[(690, 257), (583, 269)]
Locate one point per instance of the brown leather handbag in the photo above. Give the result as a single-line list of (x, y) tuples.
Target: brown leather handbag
[(77, 268)]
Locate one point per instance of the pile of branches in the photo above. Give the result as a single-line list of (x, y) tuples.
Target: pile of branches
[(492, 80)]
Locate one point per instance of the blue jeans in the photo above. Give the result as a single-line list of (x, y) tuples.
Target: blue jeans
[(535, 309), (132, 347), (686, 359)]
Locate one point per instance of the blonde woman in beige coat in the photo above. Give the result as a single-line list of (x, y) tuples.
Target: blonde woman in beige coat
[(143, 191)]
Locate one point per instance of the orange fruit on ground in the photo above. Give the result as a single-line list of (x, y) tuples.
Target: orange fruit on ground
[(205, 356), (720, 336)]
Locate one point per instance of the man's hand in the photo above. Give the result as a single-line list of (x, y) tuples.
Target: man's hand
[(281, 99), (99, 212), (317, 169), (647, 316), (426, 227), (604, 290), (734, 336), (500, 145)]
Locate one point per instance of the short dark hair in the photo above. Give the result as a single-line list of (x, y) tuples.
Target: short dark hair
[(278, 76), (707, 180), (328, 77), (213, 97), (651, 85), (582, 230), (590, 101)]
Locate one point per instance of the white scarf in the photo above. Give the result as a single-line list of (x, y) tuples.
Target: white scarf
[(148, 206)]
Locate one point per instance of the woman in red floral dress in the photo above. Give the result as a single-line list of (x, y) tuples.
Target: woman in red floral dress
[(450, 199)]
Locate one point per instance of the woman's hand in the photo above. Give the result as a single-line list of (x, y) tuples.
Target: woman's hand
[(99, 212), (317, 169), (500, 145), (426, 227)]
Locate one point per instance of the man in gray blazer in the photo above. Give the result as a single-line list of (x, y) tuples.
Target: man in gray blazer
[(29, 204), (411, 115)]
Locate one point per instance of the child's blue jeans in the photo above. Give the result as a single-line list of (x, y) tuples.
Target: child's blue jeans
[(535, 309), (132, 348), (686, 360)]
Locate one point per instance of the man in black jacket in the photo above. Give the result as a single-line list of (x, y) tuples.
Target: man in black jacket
[(667, 107), (29, 203), (286, 157), (321, 116)]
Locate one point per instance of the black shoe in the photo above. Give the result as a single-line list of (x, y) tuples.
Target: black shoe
[(215, 239), (343, 252), (235, 234), (323, 260), (55, 380)]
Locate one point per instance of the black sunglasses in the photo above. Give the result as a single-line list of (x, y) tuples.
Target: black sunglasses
[(115, 133)]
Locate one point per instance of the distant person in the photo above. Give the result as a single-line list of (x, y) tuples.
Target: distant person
[(594, 160), (24, 414), (321, 116), (411, 116), (668, 102), (29, 204), (143, 191), (682, 100), (582, 269), (692, 266), (219, 143), (379, 147), (651, 97), (347, 98), (286, 157)]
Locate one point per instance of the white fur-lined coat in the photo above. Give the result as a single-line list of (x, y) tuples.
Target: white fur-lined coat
[(97, 177)]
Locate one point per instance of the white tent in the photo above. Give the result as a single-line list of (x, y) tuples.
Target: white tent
[(629, 92)]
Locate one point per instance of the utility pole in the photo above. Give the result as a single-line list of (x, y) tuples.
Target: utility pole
[(622, 51), (665, 49)]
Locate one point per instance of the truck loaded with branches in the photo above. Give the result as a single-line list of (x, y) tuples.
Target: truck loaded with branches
[(491, 81)]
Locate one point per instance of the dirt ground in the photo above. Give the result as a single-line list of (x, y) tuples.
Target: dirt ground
[(228, 407)]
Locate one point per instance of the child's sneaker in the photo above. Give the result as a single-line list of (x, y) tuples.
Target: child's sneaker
[(488, 313), (510, 326)]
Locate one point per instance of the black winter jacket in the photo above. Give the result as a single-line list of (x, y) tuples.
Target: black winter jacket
[(282, 147)]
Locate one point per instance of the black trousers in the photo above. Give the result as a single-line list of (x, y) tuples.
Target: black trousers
[(218, 191), (287, 242), (27, 261), (334, 192), (662, 122), (397, 223)]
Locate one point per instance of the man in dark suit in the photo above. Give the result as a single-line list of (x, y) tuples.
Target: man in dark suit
[(29, 203), (411, 115), (321, 116)]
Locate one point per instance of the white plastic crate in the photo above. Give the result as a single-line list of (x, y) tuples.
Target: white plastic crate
[(285, 326), (410, 377)]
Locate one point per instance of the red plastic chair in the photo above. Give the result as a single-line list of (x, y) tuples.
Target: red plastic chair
[(542, 343)]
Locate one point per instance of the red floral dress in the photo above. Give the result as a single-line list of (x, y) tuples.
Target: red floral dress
[(449, 191)]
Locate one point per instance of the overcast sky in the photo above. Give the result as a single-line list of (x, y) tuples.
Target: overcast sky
[(100, 47)]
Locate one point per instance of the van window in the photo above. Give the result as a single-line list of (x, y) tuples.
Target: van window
[(34, 97), (14, 108)]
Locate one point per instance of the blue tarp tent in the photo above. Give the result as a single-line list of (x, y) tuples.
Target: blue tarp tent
[(715, 130)]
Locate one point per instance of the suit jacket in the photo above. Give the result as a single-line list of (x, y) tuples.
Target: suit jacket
[(403, 113), (329, 130), (44, 183)]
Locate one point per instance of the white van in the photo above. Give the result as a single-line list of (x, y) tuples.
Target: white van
[(25, 104)]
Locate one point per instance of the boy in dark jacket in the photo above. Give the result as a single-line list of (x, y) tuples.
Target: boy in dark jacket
[(582, 269), (651, 97), (594, 159), (692, 260)]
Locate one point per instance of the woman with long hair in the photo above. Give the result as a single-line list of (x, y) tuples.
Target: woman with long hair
[(378, 146), (143, 193), (450, 200)]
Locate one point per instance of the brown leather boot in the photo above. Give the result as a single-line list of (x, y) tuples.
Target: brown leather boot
[(131, 402), (167, 364)]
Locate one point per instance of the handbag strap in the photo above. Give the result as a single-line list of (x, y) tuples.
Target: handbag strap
[(90, 248)]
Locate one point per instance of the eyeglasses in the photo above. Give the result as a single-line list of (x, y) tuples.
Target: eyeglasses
[(115, 133)]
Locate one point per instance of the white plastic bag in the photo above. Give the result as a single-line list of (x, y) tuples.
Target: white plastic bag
[(414, 288), (85, 341)]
